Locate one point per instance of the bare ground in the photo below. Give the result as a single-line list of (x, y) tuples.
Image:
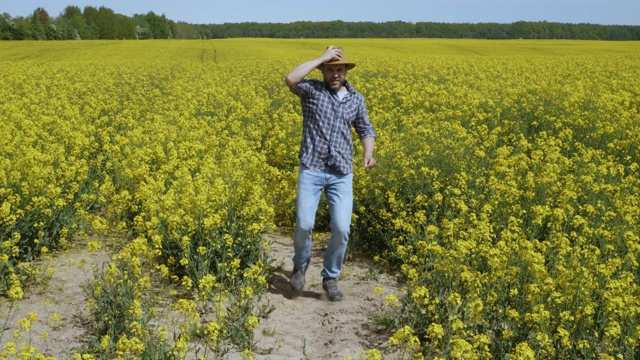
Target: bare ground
[(312, 327), (303, 327), (58, 302)]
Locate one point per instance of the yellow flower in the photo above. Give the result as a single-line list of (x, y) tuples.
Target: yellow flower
[(420, 295), (404, 339), (251, 323), (392, 301), (454, 299), (93, 246), (247, 354), (213, 331), (372, 354), (25, 323), (105, 342), (435, 331), (11, 348), (15, 291), (523, 351)]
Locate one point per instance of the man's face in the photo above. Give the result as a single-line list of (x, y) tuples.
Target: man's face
[(334, 75)]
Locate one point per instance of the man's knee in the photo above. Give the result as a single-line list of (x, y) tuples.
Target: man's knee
[(304, 226), (341, 230)]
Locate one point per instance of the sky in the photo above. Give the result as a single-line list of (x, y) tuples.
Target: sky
[(604, 12)]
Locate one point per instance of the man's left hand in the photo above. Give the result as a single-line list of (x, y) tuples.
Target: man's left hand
[(369, 162)]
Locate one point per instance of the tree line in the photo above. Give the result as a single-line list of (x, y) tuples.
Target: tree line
[(93, 23)]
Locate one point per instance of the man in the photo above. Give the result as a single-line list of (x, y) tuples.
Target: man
[(330, 108)]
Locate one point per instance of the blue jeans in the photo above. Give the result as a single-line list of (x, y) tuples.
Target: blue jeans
[(339, 195)]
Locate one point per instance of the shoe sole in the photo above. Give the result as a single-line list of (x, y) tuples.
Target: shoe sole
[(337, 297), (297, 285)]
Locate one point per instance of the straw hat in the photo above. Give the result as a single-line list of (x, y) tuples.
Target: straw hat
[(339, 61)]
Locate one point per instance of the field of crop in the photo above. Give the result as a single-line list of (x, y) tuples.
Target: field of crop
[(506, 192)]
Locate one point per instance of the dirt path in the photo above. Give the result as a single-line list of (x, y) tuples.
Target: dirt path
[(59, 304), (304, 327), (312, 327)]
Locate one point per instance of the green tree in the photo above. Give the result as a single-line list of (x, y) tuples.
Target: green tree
[(39, 20), (519, 30), (183, 30), (6, 27), (71, 12), (107, 23), (91, 31), (41, 16), (555, 31), (158, 26), (21, 29), (142, 27), (43, 27), (71, 23), (126, 27), (203, 31)]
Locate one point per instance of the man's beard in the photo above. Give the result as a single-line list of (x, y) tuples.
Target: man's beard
[(337, 86)]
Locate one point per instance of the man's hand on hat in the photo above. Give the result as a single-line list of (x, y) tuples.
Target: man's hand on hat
[(332, 53)]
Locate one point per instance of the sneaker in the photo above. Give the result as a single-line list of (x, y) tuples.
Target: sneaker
[(297, 280), (331, 287)]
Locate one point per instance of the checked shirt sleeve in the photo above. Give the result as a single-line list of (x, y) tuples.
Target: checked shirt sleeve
[(327, 123), (363, 126)]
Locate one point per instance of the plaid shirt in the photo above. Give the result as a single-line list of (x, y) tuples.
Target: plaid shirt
[(327, 121)]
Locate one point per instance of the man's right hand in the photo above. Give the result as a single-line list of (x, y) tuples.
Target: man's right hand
[(331, 53), (299, 72)]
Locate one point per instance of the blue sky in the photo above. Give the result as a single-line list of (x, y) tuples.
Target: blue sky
[(606, 12)]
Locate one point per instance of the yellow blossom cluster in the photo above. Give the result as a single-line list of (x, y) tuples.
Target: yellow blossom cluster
[(168, 149), (505, 192)]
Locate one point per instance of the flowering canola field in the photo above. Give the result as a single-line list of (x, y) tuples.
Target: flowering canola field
[(506, 190)]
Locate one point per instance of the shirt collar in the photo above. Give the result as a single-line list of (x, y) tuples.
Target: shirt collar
[(350, 88)]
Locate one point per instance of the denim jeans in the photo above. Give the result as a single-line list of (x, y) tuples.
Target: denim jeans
[(339, 195)]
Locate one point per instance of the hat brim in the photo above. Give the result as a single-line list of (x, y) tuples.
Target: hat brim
[(349, 65)]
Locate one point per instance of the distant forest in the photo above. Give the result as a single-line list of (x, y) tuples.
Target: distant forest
[(93, 23)]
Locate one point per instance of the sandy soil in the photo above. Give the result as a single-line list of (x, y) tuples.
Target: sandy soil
[(303, 327), (59, 304), (312, 327)]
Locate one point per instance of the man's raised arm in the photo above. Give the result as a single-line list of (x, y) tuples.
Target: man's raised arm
[(299, 72)]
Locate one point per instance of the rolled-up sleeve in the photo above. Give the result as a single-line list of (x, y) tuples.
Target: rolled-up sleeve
[(361, 123), (327, 124), (302, 88)]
